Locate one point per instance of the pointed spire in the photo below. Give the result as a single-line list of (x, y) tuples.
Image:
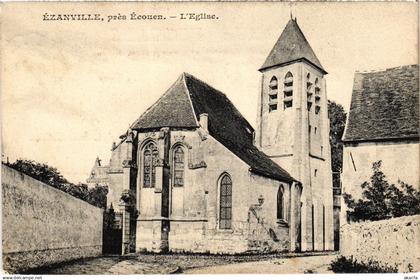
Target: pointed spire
[(290, 47)]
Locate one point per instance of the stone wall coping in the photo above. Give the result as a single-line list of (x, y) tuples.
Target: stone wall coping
[(55, 248), (186, 219), (175, 219), (387, 222), (15, 173)]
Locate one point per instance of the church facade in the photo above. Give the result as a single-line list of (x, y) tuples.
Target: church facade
[(192, 175)]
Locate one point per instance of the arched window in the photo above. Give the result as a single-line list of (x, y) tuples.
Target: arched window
[(288, 91), (317, 97), (178, 165), (273, 94), (280, 203), (273, 83), (225, 212), (309, 91), (150, 156)]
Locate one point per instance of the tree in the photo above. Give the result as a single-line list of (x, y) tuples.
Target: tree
[(97, 196), (51, 176), (337, 117), (42, 172), (382, 200), (405, 200)]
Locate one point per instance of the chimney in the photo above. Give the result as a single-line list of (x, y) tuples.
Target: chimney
[(204, 121)]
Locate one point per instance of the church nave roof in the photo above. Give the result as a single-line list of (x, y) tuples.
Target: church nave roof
[(187, 99)]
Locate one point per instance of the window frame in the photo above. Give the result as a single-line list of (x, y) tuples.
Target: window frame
[(174, 166), (221, 226), (280, 213), (151, 148)]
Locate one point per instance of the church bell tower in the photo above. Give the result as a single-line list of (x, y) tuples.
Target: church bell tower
[(293, 130)]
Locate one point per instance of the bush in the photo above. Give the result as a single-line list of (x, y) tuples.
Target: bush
[(382, 200), (350, 265)]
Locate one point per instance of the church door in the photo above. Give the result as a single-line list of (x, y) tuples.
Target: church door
[(112, 234)]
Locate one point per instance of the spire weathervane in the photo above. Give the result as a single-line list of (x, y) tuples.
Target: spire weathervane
[(292, 8)]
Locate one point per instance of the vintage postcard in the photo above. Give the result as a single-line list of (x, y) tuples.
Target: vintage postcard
[(209, 138)]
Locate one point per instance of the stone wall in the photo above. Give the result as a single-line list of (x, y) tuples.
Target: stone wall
[(43, 225), (392, 242)]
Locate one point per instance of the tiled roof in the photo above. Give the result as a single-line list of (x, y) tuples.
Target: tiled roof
[(225, 122), (173, 109), (384, 105), (230, 128), (291, 46)]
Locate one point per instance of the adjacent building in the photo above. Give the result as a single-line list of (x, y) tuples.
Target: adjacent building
[(383, 124)]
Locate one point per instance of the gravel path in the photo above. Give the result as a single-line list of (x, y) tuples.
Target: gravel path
[(194, 264), (310, 264)]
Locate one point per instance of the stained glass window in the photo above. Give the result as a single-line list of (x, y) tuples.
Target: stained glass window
[(225, 202), (150, 156), (178, 167), (280, 203)]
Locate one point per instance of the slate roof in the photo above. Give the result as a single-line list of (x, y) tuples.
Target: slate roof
[(291, 46), (173, 109), (384, 105), (181, 106)]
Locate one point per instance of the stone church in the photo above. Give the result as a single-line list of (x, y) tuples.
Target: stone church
[(192, 175)]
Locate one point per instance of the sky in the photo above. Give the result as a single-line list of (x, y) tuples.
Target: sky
[(70, 89)]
